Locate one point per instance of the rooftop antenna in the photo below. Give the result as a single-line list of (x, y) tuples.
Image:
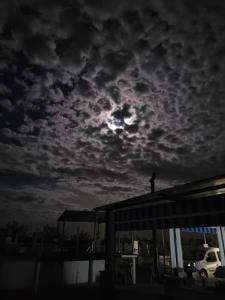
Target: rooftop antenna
[(152, 182)]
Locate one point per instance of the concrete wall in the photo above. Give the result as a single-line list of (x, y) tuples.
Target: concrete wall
[(98, 265), (50, 273), (21, 273), (17, 273), (77, 271)]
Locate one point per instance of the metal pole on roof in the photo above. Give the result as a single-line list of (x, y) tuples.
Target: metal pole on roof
[(94, 235), (152, 182)]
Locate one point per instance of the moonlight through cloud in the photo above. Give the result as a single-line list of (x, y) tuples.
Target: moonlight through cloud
[(96, 95)]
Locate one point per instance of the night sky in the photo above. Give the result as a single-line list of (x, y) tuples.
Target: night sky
[(95, 95)]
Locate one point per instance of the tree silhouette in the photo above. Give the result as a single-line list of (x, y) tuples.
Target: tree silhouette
[(15, 230)]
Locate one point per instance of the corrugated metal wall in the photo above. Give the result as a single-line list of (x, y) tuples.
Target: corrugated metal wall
[(207, 211)]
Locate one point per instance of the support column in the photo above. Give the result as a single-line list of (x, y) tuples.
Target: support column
[(90, 271), (110, 242), (155, 254), (58, 235), (172, 249), (94, 236), (78, 241), (154, 234), (63, 230), (58, 228), (221, 241), (134, 270), (37, 277), (176, 251), (108, 279), (179, 249)]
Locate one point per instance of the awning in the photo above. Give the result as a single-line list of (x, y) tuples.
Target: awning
[(210, 230)]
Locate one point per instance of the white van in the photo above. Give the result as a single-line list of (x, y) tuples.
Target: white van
[(202, 260)]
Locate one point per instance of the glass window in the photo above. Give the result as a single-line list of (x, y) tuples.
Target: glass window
[(211, 257), (194, 255)]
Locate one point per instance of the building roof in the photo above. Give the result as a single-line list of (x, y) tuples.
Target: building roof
[(197, 189), (82, 216), (200, 203)]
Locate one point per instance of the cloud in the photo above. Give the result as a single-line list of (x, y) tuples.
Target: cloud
[(95, 95), (41, 50), (156, 134), (123, 113)]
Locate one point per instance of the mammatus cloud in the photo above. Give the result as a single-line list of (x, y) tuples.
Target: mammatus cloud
[(95, 95)]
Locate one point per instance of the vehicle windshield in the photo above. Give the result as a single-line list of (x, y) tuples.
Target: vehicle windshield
[(195, 254)]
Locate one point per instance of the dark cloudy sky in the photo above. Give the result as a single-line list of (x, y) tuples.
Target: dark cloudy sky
[(97, 94)]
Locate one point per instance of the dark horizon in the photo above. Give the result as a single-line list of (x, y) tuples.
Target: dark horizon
[(96, 95)]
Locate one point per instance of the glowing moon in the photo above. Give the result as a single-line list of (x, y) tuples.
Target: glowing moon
[(114, 123)]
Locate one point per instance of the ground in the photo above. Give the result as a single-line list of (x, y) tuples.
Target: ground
[(138, 292)]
